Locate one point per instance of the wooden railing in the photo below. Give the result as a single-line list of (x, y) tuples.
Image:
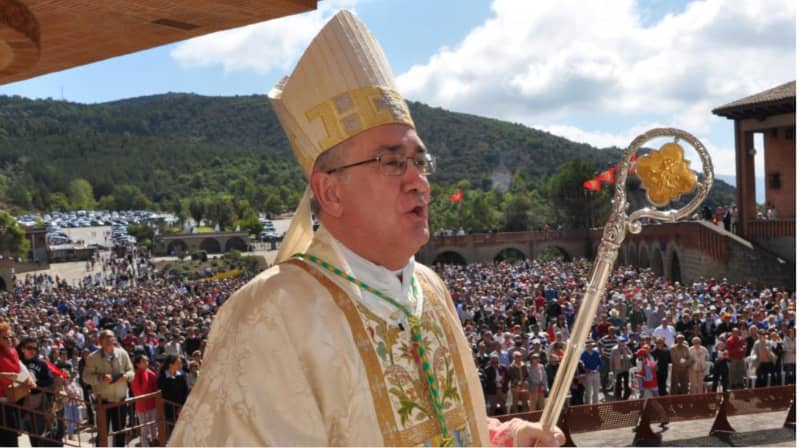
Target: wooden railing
[(770, 229)]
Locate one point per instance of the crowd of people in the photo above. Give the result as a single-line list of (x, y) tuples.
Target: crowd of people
[(124, 331), (651, 336)]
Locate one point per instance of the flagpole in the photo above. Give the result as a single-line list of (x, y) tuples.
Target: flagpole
[(658, 182)]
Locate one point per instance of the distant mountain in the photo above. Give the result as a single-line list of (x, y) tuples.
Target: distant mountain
[(167, 148)]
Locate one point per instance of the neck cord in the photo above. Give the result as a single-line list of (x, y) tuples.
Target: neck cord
[(414, 323)]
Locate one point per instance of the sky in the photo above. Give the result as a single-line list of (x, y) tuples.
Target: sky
[(591, 71)]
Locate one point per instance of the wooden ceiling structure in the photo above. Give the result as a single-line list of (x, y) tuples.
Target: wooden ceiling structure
[(45, 36)]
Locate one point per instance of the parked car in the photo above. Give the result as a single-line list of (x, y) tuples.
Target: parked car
[(268, 236)]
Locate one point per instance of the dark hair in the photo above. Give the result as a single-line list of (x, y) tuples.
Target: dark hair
[(138, 358), (27, 340), (168, 361)]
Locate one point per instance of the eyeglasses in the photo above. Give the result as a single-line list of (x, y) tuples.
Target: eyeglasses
[(30, 347), (394, 164)]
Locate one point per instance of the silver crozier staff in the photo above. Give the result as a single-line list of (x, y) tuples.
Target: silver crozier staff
[(665, 176)]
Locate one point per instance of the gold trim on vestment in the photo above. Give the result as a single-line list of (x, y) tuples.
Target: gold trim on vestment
[(455, 353), (427, 430)]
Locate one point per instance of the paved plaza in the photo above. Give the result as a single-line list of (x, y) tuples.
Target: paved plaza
[(752, 430)]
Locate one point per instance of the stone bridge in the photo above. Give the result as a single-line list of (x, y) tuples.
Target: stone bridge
[(681, 251), (505, 245), (212, 243)]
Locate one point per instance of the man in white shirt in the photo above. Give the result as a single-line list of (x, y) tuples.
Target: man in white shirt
[(665, 331)]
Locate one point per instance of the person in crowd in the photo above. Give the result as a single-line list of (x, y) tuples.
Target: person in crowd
[(109, 370), (719, 371), (621, 361), (736, 346), (537, 383), (661, 355), (496, 386), (606, 344), (776, 345), (764, 359), (193, 373), (40, 398), (72, 405), (88, 395), (174, 388), (681, 364), (145, 381), (708, 329), (12, 371), (518, 383), (648, 376), (636, 316), (699, 359), (592, 362), (665, 331), (553, 362), (789, 352)]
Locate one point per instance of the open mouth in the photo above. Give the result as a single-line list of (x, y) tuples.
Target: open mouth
[(419, 211)]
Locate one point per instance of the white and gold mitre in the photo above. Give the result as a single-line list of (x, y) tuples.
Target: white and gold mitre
[(341, 87)]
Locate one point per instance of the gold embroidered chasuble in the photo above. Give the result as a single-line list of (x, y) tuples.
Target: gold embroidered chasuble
[(294, 358)]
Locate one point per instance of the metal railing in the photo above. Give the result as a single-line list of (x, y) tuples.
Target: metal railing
[(46, 417)]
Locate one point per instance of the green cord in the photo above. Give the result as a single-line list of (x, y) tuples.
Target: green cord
[(415, 325)]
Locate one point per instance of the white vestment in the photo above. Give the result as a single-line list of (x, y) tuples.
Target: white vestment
[(300, 356)]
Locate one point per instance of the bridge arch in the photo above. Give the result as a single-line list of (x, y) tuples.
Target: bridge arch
[(644, 256), (509, 254), (235, 243), (631, 258), (210, 245), (449, 257), (177, 247), (552, 249), (657, 263), (673, 264), (675, 268)]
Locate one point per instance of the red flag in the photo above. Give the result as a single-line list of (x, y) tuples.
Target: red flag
[(606, 176), (592, 185), (55, 370), (458, 197)]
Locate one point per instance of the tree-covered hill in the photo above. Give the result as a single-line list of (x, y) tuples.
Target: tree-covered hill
[(163, 151)]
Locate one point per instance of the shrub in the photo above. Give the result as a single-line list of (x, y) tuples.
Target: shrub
[(200, 255)]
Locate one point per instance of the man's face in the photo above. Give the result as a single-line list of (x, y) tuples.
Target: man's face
[(389, 214), (107, 342)]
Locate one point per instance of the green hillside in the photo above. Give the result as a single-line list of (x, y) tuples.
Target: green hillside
[(163, 151)]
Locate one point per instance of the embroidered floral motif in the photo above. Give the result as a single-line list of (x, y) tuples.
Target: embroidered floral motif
[(402, 365)]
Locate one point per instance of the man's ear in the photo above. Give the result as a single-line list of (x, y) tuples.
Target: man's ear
[(327, 193)]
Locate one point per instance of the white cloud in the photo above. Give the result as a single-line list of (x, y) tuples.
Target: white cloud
[(536, 62), (723, 158), (260, 47)]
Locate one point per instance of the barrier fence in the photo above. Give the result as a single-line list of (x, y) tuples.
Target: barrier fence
[(640, 414), (49, 423), (116, 424)]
